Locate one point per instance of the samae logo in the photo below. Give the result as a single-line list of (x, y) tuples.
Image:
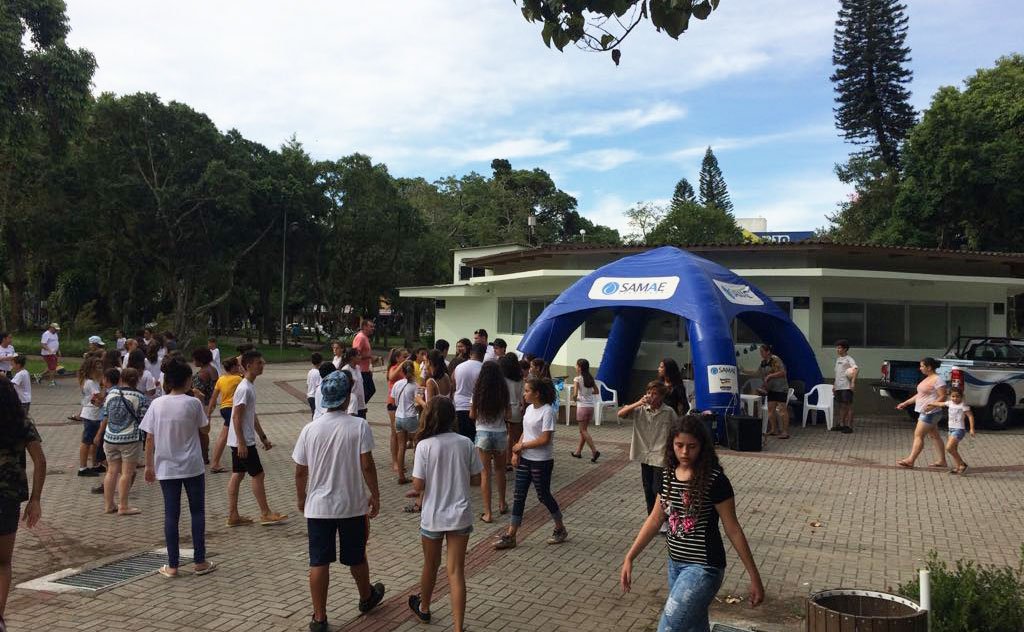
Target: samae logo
[(738, 294), (633, 289)]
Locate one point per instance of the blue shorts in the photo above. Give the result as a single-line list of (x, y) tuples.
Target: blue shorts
[(957, 433), (491, 440), (89, 429), (225, 414), (930, 418), (439, 535), (341, 539), (407, 424)]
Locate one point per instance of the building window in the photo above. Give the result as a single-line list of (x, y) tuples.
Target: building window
[(661, 326), (902, 325), (516, 315), (466, 273)]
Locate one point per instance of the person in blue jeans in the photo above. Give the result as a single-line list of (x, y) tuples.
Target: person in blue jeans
[(174, 457), (695, 494)]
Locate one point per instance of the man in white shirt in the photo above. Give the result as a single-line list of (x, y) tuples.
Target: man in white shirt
[(480, 338), (334, 468), (7, 354), (211, 344), (245, 459), (846, 381), (465, 381), (337, 349), (49, 348)]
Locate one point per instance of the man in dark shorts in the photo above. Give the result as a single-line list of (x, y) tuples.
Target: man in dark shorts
[(332, 485), (245, 458)]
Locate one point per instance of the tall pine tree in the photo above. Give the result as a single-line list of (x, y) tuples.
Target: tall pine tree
[(713, 192), (871, 77), (684, 193)]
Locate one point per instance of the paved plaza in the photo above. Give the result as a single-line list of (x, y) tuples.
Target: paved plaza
[(876, 523)]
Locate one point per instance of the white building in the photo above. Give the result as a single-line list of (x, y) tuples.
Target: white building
[(889, 302)]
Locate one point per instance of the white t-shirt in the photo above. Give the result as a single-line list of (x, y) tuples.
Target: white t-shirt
[(120, 344), (318, 404), (926, 395), (445, 463), (843, 364), (330, 446), (515, 399), (153, 368), (244, 394), (89, 411), (174, 421), (536, 421), (146, 384), (584, 395), (22, 382), (404, 394), (217, 365), (957, 415), (465, 381), (356, 397), (489, 354), (336, 362), (6, 355), (49, 343), (124, 361), (313, 380)]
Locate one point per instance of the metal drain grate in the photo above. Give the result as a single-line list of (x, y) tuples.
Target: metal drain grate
[(721, 627), (119, 572)]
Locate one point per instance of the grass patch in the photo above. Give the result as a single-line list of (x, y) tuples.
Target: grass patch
[(35, 367)]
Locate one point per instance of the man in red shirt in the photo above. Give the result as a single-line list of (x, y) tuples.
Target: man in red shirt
[(361, 343)]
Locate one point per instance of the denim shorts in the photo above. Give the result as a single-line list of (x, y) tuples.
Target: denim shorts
[(407, 424), (439, 535), (930, 418), (89, 429), (691, 589), (957, 433), (491, 440)]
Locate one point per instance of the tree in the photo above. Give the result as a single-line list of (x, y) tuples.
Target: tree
[(44, 92), (871, 77), (713, 192), (602, 25), (692, 223), (684, 193), (642, 218)]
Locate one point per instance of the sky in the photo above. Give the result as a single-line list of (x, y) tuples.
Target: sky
[(433, 88)]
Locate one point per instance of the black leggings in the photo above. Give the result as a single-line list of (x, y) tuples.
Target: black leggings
[(651, 475), (540, 473)]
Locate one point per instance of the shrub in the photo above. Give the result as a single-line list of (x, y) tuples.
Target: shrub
[(973, 597)]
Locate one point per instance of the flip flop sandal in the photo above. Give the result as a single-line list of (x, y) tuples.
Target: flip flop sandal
[(962, 469), (241, 522), (165, 570), (909, 466), (413, 508), (403, 480), (131, 511), (504, 510), (937, 465), (412, 494), (482, 519), (210, 567), (218, 470)]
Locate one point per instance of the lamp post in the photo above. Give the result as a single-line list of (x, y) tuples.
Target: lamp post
[(531, 221), (583, 235)]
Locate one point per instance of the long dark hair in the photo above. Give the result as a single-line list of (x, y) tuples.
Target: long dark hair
[(137, 360), (13, 429), (490, 395), (584, 367), (707, 458), (438, 368), (509, 364), (153, 352), (544, 388), (673, 376), (437, 418)]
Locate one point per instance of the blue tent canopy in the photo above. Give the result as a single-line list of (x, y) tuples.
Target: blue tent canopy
[(671, 280)]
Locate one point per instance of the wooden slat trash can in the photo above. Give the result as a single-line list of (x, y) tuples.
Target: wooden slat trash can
[(843, 610)]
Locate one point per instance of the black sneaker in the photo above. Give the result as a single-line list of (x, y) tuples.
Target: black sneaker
[(414, 605), (836, 428), (376, 596), (318, 626), (596, 456), (100, 469), (88, 472), (846, 430)]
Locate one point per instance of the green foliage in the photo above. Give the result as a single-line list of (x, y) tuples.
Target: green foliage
[(683, 193), (713, 191), (602, 25), (973, 598), (85, 320), (643, 218), (870, 56), (692, 223)]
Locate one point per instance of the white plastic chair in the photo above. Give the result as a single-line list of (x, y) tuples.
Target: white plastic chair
[(602, 402), (691, 393), (751, 385), (824, 394), (764, 410)]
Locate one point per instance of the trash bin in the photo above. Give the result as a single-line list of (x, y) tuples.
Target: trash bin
[(844, 610)]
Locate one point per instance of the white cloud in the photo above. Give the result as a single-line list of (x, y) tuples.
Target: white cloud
[(625, 120), (798, 203), (719, 145), (603, 159), (511, 149), (610, 210)]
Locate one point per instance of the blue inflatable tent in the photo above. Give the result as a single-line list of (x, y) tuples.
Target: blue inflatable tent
[(671, 280)]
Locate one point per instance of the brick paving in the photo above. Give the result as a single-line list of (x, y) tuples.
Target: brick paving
[(877, 524)]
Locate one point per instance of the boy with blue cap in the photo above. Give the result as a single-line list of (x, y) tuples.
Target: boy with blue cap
[(336, 483)]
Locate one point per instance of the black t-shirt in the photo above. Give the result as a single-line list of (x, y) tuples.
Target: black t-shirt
[(676, 399), (693, 535)]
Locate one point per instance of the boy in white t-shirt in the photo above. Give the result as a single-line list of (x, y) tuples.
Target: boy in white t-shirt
[(333, 469), (357, 398), (313, 380), (7, 354), (845, 382), (957, 410), (22, 382)]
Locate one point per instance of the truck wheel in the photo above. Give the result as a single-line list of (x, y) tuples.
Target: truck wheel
[(998, 411)]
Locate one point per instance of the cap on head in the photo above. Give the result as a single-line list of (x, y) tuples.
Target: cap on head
[(335, 389), (96, 340), (55, 326)]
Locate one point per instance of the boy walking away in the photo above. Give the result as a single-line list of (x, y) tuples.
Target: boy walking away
[(89, 377), (123, 411), (22, 382), (245, 459), (446, 465), (957, 411), (357, 398), (465, 382), (846, 381), (174, 457), (333, 469), (361, 343), (313, 380), (49, 348)]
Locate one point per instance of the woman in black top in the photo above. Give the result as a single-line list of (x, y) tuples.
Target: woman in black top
[(695, 494), (676, 399)]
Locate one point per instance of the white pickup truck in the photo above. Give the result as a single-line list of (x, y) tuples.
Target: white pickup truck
[(990, 371)]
